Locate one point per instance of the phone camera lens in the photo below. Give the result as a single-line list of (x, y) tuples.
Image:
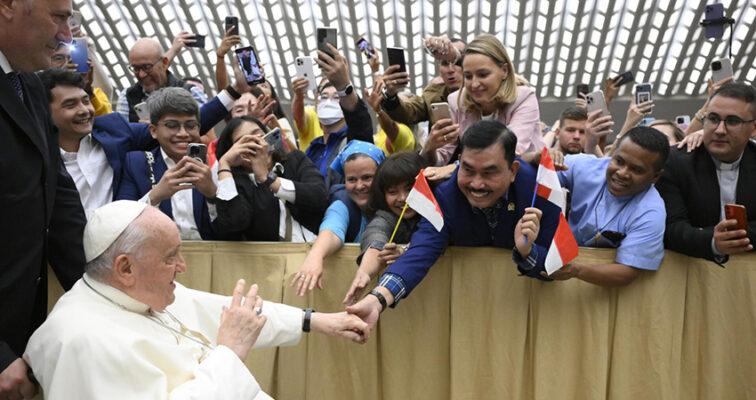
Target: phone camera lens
[(716, 65)]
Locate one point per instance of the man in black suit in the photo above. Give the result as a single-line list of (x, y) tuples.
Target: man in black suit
[(697, 185), (42, 218)]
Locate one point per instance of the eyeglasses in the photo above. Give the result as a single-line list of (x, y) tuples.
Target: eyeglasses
[(61, 58), (712, 121), (174, 127), (147, 68)]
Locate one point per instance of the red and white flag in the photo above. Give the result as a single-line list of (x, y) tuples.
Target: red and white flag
[(563, 248), (421, 200)]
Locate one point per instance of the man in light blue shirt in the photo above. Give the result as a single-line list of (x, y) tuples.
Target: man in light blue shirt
[(614, 204)]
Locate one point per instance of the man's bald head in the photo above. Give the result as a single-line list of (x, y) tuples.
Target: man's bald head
[(149, 64)]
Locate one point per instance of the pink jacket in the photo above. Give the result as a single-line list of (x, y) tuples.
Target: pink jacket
[(522, 117)]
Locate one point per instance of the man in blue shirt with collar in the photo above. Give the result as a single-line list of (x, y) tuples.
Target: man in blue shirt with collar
[(615, 205), (486, 202)]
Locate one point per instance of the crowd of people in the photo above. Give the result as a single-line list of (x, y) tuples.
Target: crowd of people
[(106, 193)]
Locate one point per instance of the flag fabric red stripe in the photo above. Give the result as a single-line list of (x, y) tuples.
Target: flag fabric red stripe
[(422, 200)]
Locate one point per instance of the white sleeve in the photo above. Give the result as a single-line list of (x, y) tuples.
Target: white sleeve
[(287, 191)]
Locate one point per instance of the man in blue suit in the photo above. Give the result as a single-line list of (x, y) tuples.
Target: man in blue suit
[(167, 177), (486, 202), (93, 149)]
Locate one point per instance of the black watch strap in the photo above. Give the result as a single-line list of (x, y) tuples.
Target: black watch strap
[(381, 299), (307, 316), (272, 176), (233, 93)]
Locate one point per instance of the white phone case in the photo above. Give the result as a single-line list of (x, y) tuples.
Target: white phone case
[(142, 111), (724, 72), (595, 101), (305, 70)]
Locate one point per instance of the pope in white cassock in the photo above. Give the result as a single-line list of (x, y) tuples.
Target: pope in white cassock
[(127, 330)]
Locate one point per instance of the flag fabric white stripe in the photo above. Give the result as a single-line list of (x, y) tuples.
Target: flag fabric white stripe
[(425, 207)]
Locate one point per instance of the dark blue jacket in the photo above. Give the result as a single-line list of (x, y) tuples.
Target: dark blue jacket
[(463, 227), (136, 183), (118, 136)]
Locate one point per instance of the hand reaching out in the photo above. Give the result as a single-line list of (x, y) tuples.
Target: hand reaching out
[(241, 323)]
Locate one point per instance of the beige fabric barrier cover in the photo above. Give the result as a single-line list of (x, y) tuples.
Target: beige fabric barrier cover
[(475, 330)]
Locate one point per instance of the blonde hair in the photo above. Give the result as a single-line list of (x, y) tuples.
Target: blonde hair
[(491, 47)]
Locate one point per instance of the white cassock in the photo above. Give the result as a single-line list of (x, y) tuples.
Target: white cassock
[(91, 348)]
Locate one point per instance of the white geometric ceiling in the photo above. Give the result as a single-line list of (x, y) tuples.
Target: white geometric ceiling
[(553, 44)]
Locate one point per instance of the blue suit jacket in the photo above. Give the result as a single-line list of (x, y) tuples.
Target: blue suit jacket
[(136, 183), (118, 136), (463, 227)]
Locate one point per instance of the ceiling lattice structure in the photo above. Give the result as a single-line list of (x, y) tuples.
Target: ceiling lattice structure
[(553, 44)]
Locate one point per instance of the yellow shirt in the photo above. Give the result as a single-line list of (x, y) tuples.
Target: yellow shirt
[(311, 130), (405, 140), (100, 102)]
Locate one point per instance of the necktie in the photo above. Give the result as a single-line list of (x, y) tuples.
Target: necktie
[(16, 83)]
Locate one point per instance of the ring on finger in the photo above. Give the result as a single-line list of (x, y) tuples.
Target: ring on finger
[(258, 310), (444, 138), (302, 276)]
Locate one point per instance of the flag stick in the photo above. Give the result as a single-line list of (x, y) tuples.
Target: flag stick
[(397, 223), (532, 203)]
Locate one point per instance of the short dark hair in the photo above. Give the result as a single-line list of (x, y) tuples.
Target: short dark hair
[(225, 141), (59, 77), (649, 139), (484, 133), (574, 113), (740, 91), (399, 168), (171, 100)]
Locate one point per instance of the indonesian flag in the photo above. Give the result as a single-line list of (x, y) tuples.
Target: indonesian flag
[(421, 200), (563, 248)]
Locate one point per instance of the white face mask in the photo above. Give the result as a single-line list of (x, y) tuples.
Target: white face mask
[(329, 112)]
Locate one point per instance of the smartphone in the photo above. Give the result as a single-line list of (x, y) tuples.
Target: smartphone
[(199, 41), (304, 69), (143, 111), (365, 47), (721, 69), (642, 93), (582, 88), (595, 101), (232, 22), (75, 20), (714, 12), (274, 139), (80, 55), (624, 78), (197, 151), (738, 213), (396, 57), (683, 121), (250, 65), (440, 111), (326, 35), (647, 121)]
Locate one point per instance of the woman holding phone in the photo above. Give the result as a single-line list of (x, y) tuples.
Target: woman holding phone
[(490, 90), (262, 195)]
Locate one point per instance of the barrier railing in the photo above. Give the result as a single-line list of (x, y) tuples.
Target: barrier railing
[(473, 329)]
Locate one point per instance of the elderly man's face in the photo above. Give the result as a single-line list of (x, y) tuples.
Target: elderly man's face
[(34, 29), (149, 67), (156, 268)]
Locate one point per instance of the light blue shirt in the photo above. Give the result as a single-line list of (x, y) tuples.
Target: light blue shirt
[(641, 217), (336, 220)]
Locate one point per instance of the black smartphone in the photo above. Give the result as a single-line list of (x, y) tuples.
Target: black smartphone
[(197, 151), (232, 22), (624, 78), (326, 35), (250, 65), (365, 47), (395, 56), (582, 88), (642, 93), (199, 41)]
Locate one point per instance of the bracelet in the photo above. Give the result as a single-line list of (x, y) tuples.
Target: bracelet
[(381, 299), (306, 323), (699, 116), (231, 91), (224, 170)]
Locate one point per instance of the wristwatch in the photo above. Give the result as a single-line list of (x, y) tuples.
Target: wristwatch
[(272, 176), (346, 92)]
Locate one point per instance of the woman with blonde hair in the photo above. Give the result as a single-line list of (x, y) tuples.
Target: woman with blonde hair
[(490, 90)]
